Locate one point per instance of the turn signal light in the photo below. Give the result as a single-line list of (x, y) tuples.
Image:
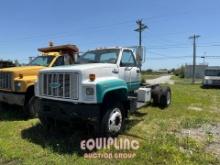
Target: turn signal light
[(92, 77), (20, 76)]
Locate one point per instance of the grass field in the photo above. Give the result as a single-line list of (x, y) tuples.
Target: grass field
[(180, 134)]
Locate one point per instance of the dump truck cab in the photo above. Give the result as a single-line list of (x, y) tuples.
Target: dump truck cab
[(17, 83)]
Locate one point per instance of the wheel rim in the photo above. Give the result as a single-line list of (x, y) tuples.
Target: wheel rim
[(168, 98), (115, 121)]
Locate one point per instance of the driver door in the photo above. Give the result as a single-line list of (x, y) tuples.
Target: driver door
[(129, 70)]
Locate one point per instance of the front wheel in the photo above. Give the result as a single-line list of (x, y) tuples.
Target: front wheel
[(31, 107), (113, 121)]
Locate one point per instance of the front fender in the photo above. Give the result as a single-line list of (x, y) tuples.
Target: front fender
[(27, 81), (105, 86)]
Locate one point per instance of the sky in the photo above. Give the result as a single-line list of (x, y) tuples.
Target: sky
[(26, 25)]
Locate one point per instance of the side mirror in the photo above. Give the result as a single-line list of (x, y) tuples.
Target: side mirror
[(140, 54)]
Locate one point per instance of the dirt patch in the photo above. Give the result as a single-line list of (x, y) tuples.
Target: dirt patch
[(194, 108), (208, 134), (214, 148), (166, 79)]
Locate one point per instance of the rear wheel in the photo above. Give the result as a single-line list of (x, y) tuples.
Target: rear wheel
[(156, 93), (113, 121), (165, 99)]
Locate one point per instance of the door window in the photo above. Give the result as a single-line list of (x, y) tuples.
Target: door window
[(128, 59), (59, 61)]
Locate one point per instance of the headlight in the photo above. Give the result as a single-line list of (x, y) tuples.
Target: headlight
[(17, 86), (90, 91)]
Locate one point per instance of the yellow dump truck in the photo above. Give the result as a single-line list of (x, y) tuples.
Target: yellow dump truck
[(17, 83)]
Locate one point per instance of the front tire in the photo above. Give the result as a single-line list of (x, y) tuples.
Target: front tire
[(31, 107), (113, 121)]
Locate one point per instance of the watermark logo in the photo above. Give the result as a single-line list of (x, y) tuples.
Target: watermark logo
[(107, 143), (118, 144)]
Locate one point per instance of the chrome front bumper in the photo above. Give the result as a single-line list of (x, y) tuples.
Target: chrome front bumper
[(12, 98)]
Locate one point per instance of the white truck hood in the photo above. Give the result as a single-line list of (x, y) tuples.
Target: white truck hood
[(81, 67), (99, 69)]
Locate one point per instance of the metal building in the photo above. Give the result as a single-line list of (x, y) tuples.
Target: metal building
[(199, 70)]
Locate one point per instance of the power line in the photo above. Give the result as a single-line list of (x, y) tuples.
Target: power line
[(172, 47), (169, 57), (181, 57), (160, 54), (98, 27)]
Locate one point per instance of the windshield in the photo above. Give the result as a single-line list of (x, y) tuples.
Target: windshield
[(212, 72), (42, 61), (100, 56)]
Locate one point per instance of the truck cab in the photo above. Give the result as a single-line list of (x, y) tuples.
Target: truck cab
[(17, 83), (211, 77), (101, 89)]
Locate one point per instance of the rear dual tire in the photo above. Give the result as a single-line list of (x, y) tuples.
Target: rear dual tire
[(161, 96), (165, 98)]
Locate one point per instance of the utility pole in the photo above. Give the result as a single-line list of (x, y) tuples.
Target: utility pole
[(140, 29), (194, 38)]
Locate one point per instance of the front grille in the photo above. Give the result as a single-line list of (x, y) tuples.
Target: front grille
[(60, 85), (216, 82), (5, 80)]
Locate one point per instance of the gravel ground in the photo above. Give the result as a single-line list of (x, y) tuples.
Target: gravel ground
[(161, 80)]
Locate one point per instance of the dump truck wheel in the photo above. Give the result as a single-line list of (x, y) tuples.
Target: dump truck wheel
[(113, 121), (31, 108)]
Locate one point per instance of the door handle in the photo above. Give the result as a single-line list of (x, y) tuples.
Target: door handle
[(127, 69), (115, 71)]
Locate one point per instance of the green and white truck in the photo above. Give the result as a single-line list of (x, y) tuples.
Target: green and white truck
[(102, 89)]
